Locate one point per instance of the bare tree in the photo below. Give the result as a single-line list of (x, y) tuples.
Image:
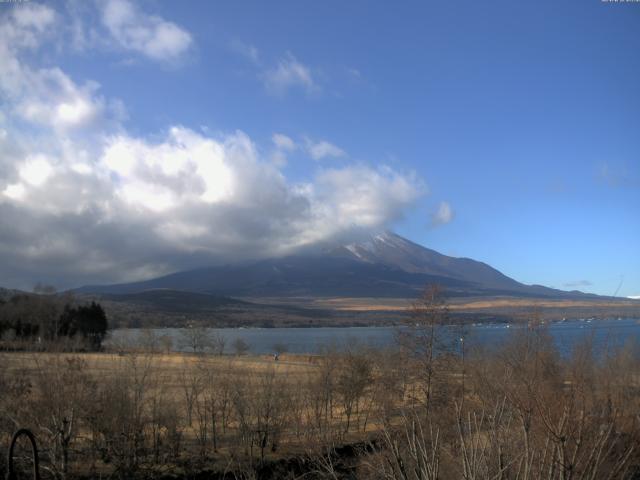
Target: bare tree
[(269, 408), (217, 397), (218, 342), (354, 375), (424, 336), (166, 343), (149, 340), (409, 451), (191, 384), (240, 346), (62, 388), (117, 416), (196, 339)]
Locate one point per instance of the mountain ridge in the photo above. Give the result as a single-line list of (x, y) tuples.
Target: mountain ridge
[(382, 265)]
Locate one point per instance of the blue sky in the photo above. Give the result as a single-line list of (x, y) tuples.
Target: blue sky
[(508, 132)]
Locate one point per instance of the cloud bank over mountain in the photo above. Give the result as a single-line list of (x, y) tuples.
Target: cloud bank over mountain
[(86, 198)]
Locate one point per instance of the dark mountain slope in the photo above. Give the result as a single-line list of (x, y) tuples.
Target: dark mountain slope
[(384, 265), (292, 276), (393, 250)]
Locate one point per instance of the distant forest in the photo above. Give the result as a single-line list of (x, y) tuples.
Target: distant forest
[(49, 318)]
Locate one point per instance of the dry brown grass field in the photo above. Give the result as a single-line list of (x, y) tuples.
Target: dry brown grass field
[(519, 411), (473, 309), (465, 304), (263, 407)]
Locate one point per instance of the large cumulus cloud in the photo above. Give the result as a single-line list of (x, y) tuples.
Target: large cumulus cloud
[(82, 200)]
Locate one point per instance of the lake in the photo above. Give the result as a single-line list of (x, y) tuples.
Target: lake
[(566, 334)]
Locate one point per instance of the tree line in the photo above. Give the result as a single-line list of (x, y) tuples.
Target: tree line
[(49, 318)]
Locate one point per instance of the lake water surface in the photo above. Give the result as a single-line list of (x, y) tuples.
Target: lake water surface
[(566, 334)]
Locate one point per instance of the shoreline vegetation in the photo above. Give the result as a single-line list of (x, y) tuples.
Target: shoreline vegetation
[(164, 308), (315, 312), (479, 321), (429, 407)]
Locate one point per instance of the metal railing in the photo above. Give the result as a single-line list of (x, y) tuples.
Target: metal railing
[(11, 473)]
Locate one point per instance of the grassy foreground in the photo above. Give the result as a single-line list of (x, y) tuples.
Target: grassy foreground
[(519, 411)]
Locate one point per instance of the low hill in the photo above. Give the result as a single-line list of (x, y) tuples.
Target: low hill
[(175, 300)]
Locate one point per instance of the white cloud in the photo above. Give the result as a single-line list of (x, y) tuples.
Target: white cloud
[(634, 297), (287, 74), (24, 26), (184, 201), (443, 215), (283, 145), (35, 170), (84, 200), (578, 283), (248, 51), (15, 191), (283, 142), (38, 17), (50, 97), (323, 149), (149, 35), (42, 96), (185, 167), (363, 197)]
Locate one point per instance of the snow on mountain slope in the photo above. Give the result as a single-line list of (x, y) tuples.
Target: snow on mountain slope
[(392, 250)]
